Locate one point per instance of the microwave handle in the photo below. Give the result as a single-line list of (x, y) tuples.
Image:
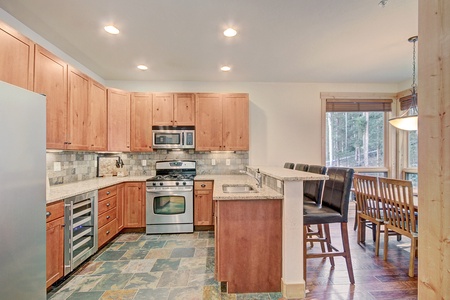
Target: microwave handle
[(182, 138)]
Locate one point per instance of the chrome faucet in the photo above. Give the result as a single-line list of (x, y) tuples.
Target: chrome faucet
[(257, 176)]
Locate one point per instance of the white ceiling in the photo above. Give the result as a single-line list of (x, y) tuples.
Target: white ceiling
[(278, 40)]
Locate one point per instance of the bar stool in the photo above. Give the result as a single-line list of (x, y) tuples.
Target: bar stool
[(301, 167), (289, 165)]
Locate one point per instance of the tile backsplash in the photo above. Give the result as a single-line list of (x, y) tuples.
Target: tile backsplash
[(69, 166)]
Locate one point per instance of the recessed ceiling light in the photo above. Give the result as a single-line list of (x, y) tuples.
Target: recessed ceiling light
[(225, 68), (230, 32), (142, 67), (111, 29)]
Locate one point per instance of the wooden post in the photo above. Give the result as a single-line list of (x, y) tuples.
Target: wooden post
[(434, 149)]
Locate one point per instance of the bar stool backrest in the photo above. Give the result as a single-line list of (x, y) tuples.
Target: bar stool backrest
[(289, 165), (336, 194), (313, 188)]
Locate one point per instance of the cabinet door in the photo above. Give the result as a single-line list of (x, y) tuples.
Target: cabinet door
[(120, 204), (134, 205), (203, 204), (208, 123), (98, 124), (163, 110), (77, 110), (50, 79), (118, 120), (235, 122), (55, 250), (16, 58), (184, 110), (141, 122)]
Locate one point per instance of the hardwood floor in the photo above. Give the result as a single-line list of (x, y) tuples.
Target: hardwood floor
[(374, 277), (172, 267)]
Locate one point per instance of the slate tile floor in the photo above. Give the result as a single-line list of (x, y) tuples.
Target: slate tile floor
[(157, 267)]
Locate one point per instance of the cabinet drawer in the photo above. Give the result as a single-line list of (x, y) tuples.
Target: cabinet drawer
[(54, 211), (203, 185), (107, 232), (107, 192), (107, 217), (107, 204)]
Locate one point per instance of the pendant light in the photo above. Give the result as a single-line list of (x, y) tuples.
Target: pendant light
[(409, 119)]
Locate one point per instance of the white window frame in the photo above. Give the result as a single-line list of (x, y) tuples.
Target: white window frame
[(389, 133)]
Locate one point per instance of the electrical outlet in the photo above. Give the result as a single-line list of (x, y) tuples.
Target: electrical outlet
[(143, 162), (227, 162), (57, 166), (213, 162)]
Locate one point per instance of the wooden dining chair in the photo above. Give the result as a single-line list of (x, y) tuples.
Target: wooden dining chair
[(399, 214), (368, 206)]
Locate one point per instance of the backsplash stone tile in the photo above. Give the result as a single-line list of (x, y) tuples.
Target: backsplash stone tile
[(77, 166)]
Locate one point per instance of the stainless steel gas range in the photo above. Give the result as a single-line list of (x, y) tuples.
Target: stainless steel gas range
[(170, 198)]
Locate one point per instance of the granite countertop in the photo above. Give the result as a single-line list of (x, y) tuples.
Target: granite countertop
[(262, 193), (59, 192), (287, 174)]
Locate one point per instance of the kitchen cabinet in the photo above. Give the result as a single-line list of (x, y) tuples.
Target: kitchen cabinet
[(118, 120), (134, 205), (77, 110), (50, 79), (16, 58), (120, 205), (98, 123), (141, 122), (107, 214), (248, 232), (174, 109), (55, 242), (203, 203), (222, 122)]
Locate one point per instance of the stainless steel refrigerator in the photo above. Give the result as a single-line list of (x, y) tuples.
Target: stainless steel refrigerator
[(22, 194)]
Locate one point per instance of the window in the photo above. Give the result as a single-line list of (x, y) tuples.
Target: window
[(355, 134), (409, 169)]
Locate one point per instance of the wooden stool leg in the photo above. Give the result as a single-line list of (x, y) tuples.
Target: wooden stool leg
[(347, 255), (320, 233), (328, 239)]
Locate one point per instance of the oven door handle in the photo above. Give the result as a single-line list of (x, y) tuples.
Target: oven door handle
[(173, 192)]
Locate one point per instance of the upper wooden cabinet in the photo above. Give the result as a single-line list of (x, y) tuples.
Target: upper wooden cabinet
[(98, 123), (141, 122), (173, 109), (222, 122), (16, 58), (235, 134), (77, 109), (118, 120), (50, 78)]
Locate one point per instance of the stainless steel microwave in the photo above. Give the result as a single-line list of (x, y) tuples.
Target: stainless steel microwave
[(169, 137)]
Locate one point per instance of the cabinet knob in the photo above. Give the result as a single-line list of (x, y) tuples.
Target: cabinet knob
[(48, 214), (108, 204), (108, 192), (107, 217), (203, 185), (107, 232)]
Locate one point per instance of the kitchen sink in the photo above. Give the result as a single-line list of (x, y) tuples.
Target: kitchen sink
[(238, 188)]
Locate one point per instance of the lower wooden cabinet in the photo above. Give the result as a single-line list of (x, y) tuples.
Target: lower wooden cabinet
[(134, 205), (120, 203), (55, 242), (203, 203), (107, 214)]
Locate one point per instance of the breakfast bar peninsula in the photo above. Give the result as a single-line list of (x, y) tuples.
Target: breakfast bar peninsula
[(259, 230)]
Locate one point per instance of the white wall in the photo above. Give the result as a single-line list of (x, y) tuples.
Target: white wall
[(285, 118)]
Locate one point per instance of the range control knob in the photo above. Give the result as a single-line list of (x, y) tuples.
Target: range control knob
[(177, 183), (161, 183), (184, 183)]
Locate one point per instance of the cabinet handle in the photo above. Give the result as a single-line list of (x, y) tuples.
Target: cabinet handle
[(48, 214), (108, 204), (107, 232), (107, 217), (203, 185), (108, 192)]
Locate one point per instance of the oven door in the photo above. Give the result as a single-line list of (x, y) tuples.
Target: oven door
[(169, 211)]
